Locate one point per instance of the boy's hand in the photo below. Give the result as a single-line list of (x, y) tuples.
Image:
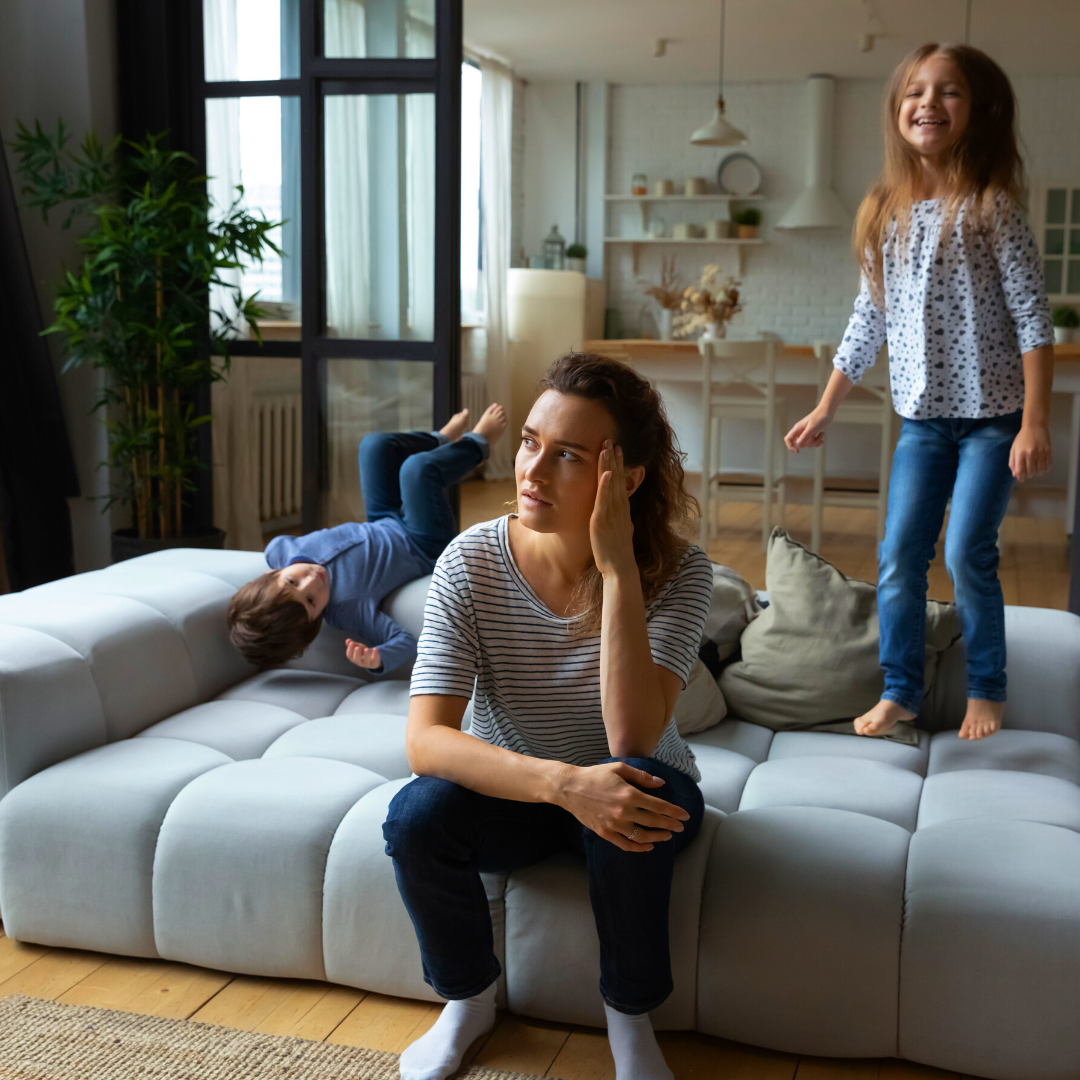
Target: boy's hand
[(1030, 455), (808, 432), (361, 655)]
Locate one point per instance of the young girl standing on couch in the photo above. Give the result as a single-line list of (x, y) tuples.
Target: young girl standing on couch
[(952, 278)]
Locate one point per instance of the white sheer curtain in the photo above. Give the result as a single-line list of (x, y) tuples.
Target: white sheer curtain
[(420, 191), (222, 132), (496, 105), (347, 197)]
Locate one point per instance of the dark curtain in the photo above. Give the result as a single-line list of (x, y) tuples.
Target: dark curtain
[(37, 471), (159, 62)]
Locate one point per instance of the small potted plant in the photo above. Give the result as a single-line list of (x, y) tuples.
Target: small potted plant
[(576, 254), (1066, 320), (709, 305), (747, 222), (667, 294)]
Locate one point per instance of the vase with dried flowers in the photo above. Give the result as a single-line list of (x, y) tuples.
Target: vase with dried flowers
[(668, 296), (708, 306)]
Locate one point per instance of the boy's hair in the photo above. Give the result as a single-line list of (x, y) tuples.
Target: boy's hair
[(984, 165), (267, 628)]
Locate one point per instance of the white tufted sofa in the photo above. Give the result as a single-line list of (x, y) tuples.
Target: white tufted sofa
[(845, 897)]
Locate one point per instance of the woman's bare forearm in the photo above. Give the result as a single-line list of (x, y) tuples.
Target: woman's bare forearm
[(635, 711), (437, 746), (836, 389)]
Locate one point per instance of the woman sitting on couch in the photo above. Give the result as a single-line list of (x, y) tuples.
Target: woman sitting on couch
[(578, 618)]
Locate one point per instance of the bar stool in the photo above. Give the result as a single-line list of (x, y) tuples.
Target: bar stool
[(872, 405), (738, 382)]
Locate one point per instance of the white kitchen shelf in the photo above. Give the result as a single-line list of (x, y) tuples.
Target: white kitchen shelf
[(731, 242), (715, 197)]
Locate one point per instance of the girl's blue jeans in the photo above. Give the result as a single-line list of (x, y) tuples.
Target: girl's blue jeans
[(967, 460), (442, 836)]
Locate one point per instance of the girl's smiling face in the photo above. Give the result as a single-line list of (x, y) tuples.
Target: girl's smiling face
[(935, 108), (556, 465)]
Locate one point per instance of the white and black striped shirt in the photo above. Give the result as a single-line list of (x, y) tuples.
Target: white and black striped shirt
[(537, 684)]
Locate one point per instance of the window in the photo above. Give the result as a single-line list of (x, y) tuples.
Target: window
[(334, 117), (1056, 221)]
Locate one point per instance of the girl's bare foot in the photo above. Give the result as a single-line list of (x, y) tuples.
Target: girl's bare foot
[(982, 718), (883, 717), (492, 424), (456, 427)]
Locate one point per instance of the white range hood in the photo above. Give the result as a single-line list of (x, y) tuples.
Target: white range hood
[(818, 207)]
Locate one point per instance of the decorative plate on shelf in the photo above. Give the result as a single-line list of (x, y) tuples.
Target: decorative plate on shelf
[(738, 175)]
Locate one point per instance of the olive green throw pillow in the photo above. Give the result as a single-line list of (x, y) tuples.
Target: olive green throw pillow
[(810, 659)]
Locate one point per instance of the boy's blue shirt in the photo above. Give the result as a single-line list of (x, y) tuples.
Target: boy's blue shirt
[(366, 562)]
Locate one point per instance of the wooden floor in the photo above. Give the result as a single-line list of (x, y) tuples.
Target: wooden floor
[(1034, 550), (1034, 571), (338, 1014)]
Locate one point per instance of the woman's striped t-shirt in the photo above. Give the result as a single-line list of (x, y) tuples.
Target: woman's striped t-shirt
[(537, 684)]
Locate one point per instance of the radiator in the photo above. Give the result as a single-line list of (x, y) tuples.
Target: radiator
[(278, 421), (474, 396)]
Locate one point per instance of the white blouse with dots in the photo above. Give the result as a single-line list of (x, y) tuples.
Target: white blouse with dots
[(958, 313)]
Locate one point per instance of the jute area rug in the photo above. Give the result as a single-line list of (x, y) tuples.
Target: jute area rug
[(41, 1040)]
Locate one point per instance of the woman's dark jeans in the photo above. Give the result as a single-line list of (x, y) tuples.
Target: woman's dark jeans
[(442, 836)]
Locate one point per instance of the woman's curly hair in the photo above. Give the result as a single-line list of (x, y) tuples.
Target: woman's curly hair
[(660, 508)]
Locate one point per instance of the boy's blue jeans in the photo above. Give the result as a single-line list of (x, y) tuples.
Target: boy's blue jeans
[(442, 836), (935, 459), (405, 474)]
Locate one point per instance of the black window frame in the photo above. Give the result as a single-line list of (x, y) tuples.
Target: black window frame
[(319, 77)]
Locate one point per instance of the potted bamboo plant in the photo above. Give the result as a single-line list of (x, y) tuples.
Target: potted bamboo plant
[(139, 308)]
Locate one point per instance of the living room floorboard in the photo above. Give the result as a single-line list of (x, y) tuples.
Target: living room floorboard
[(339, 1014)]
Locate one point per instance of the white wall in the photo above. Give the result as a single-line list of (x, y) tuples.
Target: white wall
[(550, 134), (57, 59)]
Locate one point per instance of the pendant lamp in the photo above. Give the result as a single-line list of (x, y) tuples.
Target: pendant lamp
[(718, 132)]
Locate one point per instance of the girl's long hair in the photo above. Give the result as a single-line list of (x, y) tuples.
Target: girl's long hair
[(660, 507), (983, 167)]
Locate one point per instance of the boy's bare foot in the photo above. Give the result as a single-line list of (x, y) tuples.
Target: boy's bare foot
[(492, 424), (982, 718), (883, 717), (456, 427)]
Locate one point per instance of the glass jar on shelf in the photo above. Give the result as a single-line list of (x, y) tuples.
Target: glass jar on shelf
[(554, 250)]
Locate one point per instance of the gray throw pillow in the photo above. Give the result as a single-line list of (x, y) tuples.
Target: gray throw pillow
[(701, 705), (734, 606), (810, 660)]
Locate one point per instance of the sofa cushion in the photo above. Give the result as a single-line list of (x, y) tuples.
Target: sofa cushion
[(988, 960), (997, 794), (240, 729), (385, 696), (77, 844), (723, 775), (750, 740), (374, 741), (239, 871), (790, 744), (309, 693), (800, 931), (811, 658), (1015, 751), (854, 784), (138, 659)]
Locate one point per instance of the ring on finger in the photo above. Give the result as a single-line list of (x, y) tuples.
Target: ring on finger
[(632, 834)]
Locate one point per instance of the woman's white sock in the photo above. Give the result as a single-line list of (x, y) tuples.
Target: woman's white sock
[(634, 1047), (437, 1054)]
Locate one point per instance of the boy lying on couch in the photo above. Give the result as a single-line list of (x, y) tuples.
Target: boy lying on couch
[(343, 574)]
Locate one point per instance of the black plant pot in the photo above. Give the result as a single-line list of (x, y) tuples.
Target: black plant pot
[(127, 544)]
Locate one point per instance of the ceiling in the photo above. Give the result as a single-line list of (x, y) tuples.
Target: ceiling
[(614, 40)]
